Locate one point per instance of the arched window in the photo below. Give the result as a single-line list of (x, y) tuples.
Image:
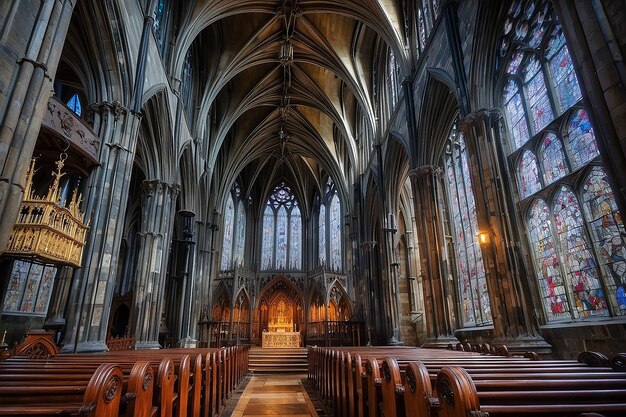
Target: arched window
[(234, 230), (187, 85), (528, 172), (470, 272), (335, 233), (161, 17), (393, 80), (552, 139), (267, 253), (241, 233), (426, 14), (330, 240), (74, 104), (295, 239), (227, 247), (281, 238), (282, 231), (321, 232)]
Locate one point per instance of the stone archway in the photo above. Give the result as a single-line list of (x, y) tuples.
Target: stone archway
[(279, 309)]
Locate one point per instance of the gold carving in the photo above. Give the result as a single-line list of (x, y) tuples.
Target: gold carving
[(46, 229), (281, 339)]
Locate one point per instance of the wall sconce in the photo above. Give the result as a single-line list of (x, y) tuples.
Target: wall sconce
[(483, 237)]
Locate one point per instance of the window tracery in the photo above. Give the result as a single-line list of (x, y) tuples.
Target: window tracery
[(282, 231), (234, 238), (474, 302), (579, 273)]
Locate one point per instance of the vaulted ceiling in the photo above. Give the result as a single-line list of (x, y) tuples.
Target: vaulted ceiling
[(280, 85)]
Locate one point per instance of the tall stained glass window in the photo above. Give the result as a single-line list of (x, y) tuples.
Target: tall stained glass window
[(234, 240), (573, 227), (427, 14), (295, 239), (227, 250), (267, 252), (282, 231), (321, 233), (241, 233), (470, 272), (335, 233), (281, 238), (330, 241)]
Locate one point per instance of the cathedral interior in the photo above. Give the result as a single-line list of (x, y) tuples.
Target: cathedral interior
[(355, 172)]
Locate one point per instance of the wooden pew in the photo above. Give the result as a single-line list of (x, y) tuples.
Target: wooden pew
[(367, 381), (185, 386)]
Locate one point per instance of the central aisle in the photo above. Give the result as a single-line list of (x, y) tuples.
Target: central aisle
[(274, 395)]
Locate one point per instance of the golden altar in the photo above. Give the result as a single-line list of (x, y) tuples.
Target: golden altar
[(280, 326), (280, 340)]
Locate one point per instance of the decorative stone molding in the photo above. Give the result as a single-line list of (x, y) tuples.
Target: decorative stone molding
[(65, 123)]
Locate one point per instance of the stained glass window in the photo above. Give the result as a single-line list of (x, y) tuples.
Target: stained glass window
[(552, 158), (322, 234), (295, 239), (516, 115), (537, 98), (547, 265), (161, 14), (227, 247), (267, 251), (241, 233), (528, 172), (580, 274), (29, 289), (565, 81), (74, 105), (581, 142), (608, 235), (471, 280), (281, 238), (421, 29), (335, 233), (393, 79), (579, 263), (282, 231)]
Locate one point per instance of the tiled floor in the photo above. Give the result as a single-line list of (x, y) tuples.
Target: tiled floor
[(274, 395)]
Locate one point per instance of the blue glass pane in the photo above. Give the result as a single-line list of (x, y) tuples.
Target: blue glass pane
[(74, 105)]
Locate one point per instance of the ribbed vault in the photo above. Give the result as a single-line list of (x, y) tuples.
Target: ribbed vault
[(279, 86)]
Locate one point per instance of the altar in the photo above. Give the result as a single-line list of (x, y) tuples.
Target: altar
[(280, 340)]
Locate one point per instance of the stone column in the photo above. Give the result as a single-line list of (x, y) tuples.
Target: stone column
[(596, 39), (106, 198), (201, 280), (507, 278), (431, 245), (158, 206), (31, 41)]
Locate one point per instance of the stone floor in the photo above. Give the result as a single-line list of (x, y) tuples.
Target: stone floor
[(273, 395)]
